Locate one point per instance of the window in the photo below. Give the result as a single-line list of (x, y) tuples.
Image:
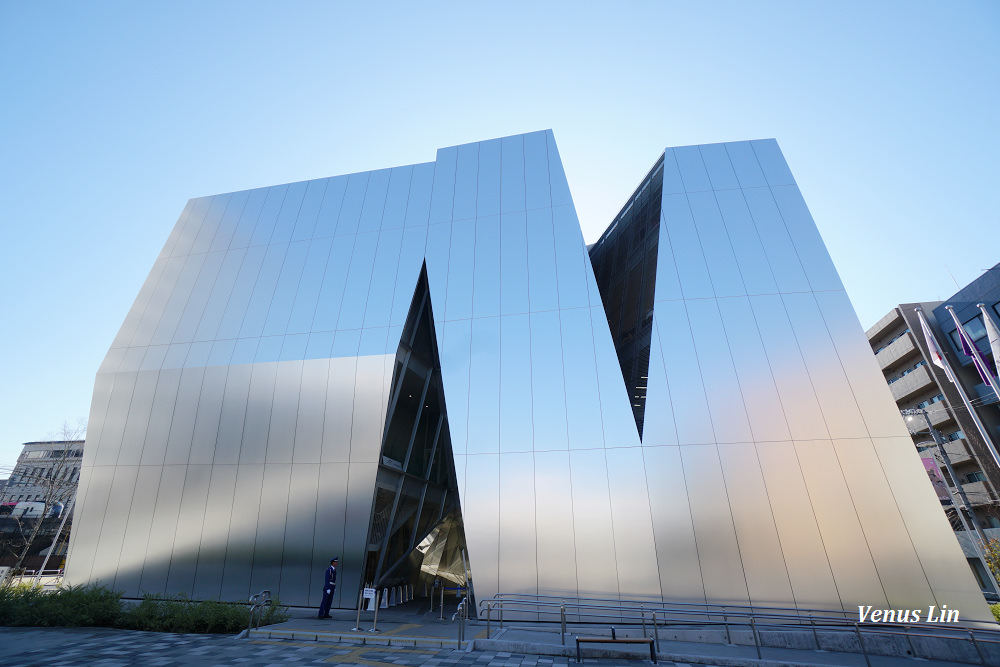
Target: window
[(954, 436), (976, 331), (977, 476)]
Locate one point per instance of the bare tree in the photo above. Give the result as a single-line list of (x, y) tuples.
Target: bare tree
[(54, 481)]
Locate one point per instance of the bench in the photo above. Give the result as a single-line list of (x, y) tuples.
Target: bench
[(615, 640)]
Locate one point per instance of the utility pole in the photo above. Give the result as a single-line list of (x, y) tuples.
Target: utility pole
[(939, 441)]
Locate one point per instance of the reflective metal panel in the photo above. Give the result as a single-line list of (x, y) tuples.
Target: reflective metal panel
[(174, 307), (419, 202), (899, 570), (802, 547), (484, 387), (772, 163), (375, 193), (246, 312), (328, 532), (258, 414), (536, 170), (718, 548), (437, 255), (488, 197), (512, 174), (515, 385), (113, 427), (836, 514), (268, 215), (679, 569), (273, 514), (208, 326), (810, 247), (311, 408), (185, 410), (206, 424), (163, 525), (668, 284), (746, 244), (305, 222), (329, 212), (542, 291), (715, 363), (692, 169), (760, 551), (112, 529), (570, 259), (284, 292), (583, 403), (689, 404), (443, 192), (351, 207), (157, 301), (297, 562), (290, 207), (370, 388), (411, 257), (719, 168), (843, 417), (466, 182), (168, 247), (133, 547), (394, 214), (339, 414), (461, 271), (248, 220), (352, 309), (482, 500), (455, 360), (360, 482), (718, 248), (307, 291), (635, 551), (554, 526), (192, 225), (756, 382), (242, 533), (210, 226), (140, 408), (378, 309), (187, 539), (548, 384), (486, 274), (688, 256), (331, 293), (516, 540), (513, 276), (784, 261), (233, 414), (188, 321), (161, 413), (127, 330), (215, 533), (592, 524), (798, 398), (745, 164), (284, 411), (658, 422), (673, 184), (558, 187)]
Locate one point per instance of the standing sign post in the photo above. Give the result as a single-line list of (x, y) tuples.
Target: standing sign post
[(370, 595)]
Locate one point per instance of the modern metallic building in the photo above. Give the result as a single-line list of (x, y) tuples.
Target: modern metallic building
[(424, 371)]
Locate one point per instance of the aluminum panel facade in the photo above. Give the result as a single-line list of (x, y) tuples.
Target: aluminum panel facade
[(238, 420)]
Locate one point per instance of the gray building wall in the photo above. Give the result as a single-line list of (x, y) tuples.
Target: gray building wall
[(237, 420)]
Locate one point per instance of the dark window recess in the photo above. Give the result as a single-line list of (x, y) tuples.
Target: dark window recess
[(624, 261)]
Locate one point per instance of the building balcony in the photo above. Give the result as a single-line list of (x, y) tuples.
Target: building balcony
[(892, 319), (899, 349), (958, 452), (911, 383), (938, 414), (977, 492)]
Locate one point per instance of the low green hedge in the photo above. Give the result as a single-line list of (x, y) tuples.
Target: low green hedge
[(995, 608), (78, 606)]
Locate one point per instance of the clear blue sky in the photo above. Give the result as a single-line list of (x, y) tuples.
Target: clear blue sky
[(112, 115)]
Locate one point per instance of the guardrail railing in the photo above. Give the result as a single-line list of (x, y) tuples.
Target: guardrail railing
[(257, 604), (655, 615)]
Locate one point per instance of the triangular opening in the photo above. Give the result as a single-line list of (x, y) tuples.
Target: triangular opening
[(624, 261), (416, 533)]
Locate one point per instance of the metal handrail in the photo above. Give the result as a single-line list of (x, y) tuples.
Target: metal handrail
[(635, 611), (257, 603), (462, 612)]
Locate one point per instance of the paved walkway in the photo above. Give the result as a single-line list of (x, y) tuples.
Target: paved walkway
[(408, 636)]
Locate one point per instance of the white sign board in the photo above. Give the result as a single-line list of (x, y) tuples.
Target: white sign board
[(369, 594)]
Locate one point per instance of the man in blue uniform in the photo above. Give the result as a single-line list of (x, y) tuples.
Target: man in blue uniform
[(328, 588)]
